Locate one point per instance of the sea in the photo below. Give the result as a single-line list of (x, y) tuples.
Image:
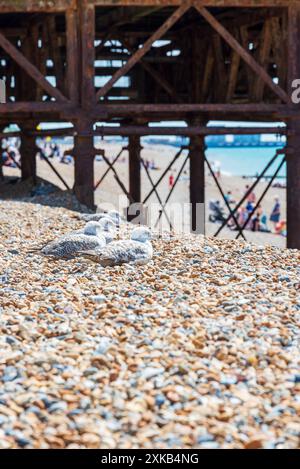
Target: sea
[(245, 161), (233, 161)]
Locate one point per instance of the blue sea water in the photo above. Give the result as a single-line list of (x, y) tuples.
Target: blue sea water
[(245, 161)]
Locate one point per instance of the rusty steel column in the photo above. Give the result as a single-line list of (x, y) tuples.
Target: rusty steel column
[(28, 151), (293, 137), (134, 155), (1, 159), (84, 151), (197, 184), (293, 185), (84, 163)]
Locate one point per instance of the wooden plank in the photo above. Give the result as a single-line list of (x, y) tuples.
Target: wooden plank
[(258, 69), (55, 52), (220, 71), (143, 50), (35, 59), (42, 55), (72, 74), (208, 70), (279, 47), (233, 75), (246, 76), (32, 71), (195, 65), (263, 59), (27, 86), (156, 75)]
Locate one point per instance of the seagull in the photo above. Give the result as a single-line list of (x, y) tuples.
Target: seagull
[(137, 250), (69, 244), (92, 216), (106, 226), (114, 215)]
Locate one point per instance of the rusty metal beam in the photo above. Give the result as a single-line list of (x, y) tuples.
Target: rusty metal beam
[(197, 184), (87, 29), (128, 109), (187, 131), (28, 151), (33, 107), (143, 50), (264, 59), (255, 66), (293, 139), (29, 68), (97, 151), (22, 6), (84, 163), (44, 6), (134, 151), (251, 189), (177, 155), (155, 75), (44, 158), (208, 3), (72, 75)]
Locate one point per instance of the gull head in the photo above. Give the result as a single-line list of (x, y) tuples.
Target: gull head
[(107, 224), (93, 228), (115, 216), (141, 234)]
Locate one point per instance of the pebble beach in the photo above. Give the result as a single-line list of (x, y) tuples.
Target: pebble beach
[(197, 349)]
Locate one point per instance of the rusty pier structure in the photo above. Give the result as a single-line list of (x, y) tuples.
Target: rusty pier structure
[(136, 62)]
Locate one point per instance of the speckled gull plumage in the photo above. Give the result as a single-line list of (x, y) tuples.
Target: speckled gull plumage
[(68, 245), (92, 216), (93, 235), (106, 227), (114, 215), (137, 250)]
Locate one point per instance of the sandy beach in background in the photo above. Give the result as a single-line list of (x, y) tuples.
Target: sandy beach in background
[(109, 191)]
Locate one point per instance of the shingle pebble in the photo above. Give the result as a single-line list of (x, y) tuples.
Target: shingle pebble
[(198, 349)]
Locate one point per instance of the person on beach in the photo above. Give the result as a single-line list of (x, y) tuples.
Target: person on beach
[(280, 228), (249, 207), (251, 196), (229, 198), (242, 216), (263, 226), (275, 214), (171, 181), (256, 222), (217, 169)]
